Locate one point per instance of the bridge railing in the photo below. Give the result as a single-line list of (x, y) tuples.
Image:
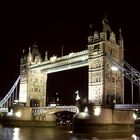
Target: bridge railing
[(127, 106), (40, 110)]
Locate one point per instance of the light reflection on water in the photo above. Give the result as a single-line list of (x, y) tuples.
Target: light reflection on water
[(43, 133)]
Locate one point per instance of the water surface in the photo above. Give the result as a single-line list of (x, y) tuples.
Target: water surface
[(44, 133)]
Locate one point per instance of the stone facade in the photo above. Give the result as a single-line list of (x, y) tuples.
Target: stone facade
[(105, 85), (32, 81)]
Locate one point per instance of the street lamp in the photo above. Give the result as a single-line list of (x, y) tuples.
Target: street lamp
[(115, 69)]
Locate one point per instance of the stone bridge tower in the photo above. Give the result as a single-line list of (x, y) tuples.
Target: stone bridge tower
[(105, 85), (32, 81)]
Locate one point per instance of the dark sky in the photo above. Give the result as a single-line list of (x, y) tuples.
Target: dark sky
[(53, 24)]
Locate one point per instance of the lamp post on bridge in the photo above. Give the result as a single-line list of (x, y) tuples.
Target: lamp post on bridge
[(115, 69)]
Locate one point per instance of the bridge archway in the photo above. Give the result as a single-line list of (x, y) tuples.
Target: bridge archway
[(69, 82), (110, 98), (64, 118), (34, 103)]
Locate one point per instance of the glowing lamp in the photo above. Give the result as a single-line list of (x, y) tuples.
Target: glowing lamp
[(18, 114)]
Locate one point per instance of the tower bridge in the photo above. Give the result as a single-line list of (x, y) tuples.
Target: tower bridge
[(105, 86)]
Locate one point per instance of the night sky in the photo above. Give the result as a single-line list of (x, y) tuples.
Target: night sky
[(55, 24)]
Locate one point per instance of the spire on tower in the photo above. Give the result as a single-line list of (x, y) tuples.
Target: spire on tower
[(120, 40), (90, 37), (106, 26), (23, 53), (90, 29), (120, 34), (46, 56), (23, 58), (29, 57), (62, 52), (35, 52)]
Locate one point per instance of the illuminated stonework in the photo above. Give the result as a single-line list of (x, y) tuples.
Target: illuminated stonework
[(101, 78), (53, 58), (32, 80), (103, 82)]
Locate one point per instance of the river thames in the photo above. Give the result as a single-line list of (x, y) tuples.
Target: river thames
[(45, 133)]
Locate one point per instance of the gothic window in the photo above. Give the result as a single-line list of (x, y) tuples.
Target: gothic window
[(35, 89), (96, 47), (97, 65), (96, 79), (36, 80), (108, 66), (119, 79), (99, 79), (113, 53), (110, 51), (113, 80)]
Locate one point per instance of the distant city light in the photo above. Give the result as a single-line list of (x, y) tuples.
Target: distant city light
[(134, 136)]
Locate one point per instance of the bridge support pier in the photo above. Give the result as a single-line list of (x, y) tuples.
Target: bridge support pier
[(23, 116), (98, 119)]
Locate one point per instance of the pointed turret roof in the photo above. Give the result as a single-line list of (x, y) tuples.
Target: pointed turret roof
[(106, 26)]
